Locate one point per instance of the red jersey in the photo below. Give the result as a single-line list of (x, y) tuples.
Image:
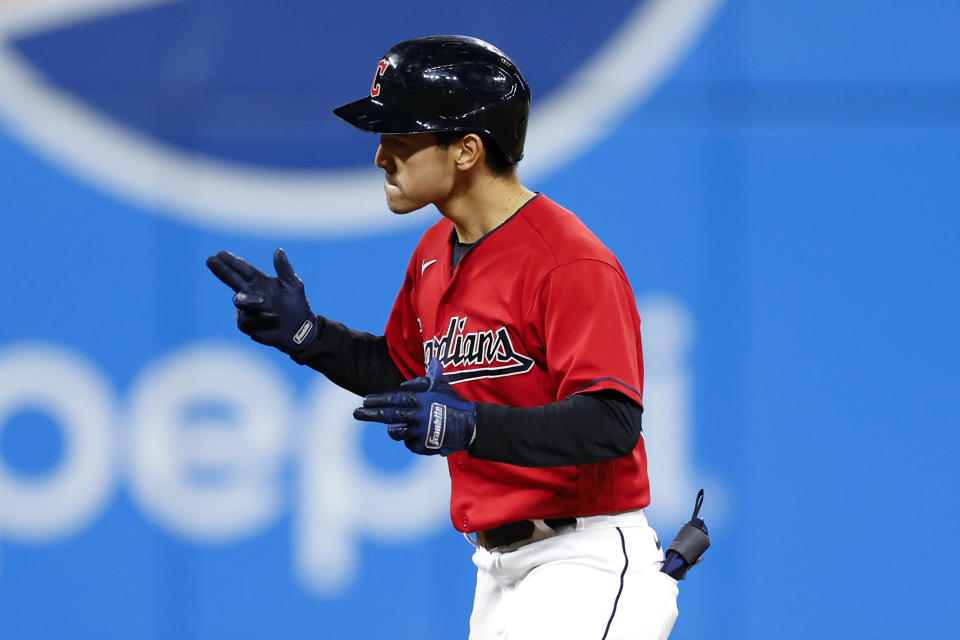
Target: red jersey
[(539, 309)]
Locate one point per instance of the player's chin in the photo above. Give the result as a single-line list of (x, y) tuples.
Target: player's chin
[(400, 205), (400, 209)]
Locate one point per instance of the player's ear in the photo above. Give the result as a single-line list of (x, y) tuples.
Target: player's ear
[(469, 151)]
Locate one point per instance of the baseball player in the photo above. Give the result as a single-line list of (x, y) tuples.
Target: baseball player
[(513, 349)]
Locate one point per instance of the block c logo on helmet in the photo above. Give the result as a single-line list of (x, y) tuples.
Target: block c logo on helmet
[(375, 87)]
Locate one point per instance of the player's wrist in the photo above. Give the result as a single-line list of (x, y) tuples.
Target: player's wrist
[(304, 334), (312, 343), (483, 417)]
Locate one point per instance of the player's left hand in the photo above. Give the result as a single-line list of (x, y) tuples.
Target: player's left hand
[(427, 414)]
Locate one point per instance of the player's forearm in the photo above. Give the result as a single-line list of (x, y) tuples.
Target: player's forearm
[(584, 428), (357, 361)]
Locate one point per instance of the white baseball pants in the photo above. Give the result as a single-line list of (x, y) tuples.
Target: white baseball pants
[(598, 579)]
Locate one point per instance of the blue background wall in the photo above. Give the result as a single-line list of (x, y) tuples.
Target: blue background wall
[(785, 201)]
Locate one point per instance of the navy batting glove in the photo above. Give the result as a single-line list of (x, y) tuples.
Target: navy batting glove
[(427, 414), (272, 311)]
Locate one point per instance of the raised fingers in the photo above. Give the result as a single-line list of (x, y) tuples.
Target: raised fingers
[(392, 399), (282, 266), (386, 415), (226, 274), (238, 264)]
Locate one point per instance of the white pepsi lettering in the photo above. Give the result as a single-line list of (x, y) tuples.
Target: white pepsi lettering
[(211, 480), (486, 354), (668, 336), (337, 500), (240, 453), (341, 497), (68, 388)]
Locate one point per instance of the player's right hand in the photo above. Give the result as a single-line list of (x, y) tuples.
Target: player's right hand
[(427, 414), (272, 311)]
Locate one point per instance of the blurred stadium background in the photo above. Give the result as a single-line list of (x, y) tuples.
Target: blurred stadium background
[(781, 181)]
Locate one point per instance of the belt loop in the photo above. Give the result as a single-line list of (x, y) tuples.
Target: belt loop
[(471, 540)]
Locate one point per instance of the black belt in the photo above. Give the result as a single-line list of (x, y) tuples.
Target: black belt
[(513, 532)]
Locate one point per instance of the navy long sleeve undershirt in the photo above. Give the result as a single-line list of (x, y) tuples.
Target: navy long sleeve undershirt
[(583, 428), (357, 361)]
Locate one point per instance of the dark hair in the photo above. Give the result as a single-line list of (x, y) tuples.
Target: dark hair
[(496, 160)]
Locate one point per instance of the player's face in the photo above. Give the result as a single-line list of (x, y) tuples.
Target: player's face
[(418, 172)]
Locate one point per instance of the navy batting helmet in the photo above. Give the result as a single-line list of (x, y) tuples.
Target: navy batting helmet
[(446, 83)]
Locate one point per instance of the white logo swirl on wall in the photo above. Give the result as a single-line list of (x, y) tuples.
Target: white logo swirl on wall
[(232, 196)]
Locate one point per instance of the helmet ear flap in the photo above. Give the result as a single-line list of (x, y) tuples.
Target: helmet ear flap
[(521, 129), (520, 134)]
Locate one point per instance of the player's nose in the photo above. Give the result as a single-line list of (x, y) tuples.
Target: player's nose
[(382, 160)]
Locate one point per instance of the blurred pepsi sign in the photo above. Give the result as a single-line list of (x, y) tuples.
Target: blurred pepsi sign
[(162, 477)]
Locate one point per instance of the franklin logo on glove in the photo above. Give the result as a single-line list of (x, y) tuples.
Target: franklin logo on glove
[(303, 332), (439, 419)]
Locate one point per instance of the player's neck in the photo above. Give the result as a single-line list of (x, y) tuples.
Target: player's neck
[(482, 204)]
